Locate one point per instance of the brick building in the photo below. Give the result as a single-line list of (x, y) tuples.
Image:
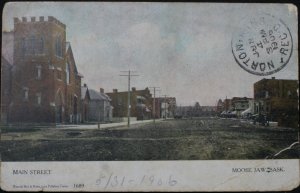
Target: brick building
[(140, 102), (158, 111), (5, 88), (278, 98), (227, 105), (6, 66), (45, 81)]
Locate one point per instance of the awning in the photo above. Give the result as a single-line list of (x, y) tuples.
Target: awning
[(246, 111), (233, 113), (223, 113), (140, 97)]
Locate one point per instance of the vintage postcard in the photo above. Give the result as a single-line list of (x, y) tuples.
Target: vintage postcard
[(149, 96)]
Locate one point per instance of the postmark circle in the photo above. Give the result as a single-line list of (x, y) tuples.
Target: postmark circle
[(262, 45)]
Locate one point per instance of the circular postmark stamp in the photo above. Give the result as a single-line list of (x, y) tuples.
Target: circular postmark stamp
[(263, 45)]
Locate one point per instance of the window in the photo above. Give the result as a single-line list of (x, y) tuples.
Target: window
[(40, 46), (59, 75), (39, 98), (58, 47), (32, 45), (25, 93), (67, 73), (39, 72), (267, 94), (289, 93)]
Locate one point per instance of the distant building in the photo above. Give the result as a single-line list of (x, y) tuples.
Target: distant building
[(167, 106), (85, 100), (158, 108), (45, 82), (196, 111), (240, 104), (220, 106), (235, 107), (208, 110), (227, 105), (278, 99), (140, 103), (184, 111), (247, 113), (99, 108)]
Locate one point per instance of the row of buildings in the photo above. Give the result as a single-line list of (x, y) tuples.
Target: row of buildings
[(275, 98), (143, 105), (40, 82)]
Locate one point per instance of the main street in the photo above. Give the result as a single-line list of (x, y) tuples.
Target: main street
[(208, 138)]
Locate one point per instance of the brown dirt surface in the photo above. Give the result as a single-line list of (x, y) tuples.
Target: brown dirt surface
[(184, 139)]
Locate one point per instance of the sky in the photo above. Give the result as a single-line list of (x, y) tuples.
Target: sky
[(182, 48)]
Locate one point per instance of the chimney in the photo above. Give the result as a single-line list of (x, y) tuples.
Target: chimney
[(133, 89), (84, 85), (24, 19), (41, 18), (101, 90), (115, 90), (32, 19)]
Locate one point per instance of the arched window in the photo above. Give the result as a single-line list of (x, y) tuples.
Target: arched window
[(67, 73)]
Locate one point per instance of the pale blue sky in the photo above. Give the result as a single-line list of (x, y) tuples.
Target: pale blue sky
[(183, 48)]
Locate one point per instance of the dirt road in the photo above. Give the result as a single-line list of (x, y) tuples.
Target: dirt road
[(189, 139)]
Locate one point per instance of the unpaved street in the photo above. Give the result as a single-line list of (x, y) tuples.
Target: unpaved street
[(186, 139)]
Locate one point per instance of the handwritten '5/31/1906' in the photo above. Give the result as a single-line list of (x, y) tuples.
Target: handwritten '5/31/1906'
[(150, 180)]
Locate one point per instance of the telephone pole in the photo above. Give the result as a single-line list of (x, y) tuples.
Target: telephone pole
[(165, 105), (129, 75), (154, 89)]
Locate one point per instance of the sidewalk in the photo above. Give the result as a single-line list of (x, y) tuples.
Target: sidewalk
[(105, 125)]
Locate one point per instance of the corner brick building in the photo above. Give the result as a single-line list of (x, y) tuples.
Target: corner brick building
[(279, 99), (45, 81)]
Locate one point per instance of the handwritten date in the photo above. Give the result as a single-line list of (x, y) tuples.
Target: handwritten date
[(119, 181)]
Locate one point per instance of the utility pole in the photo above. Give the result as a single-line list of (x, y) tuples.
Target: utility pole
[(165, 106), (128, 101), (154, 89)]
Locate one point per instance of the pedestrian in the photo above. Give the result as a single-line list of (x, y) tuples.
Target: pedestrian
[(268, 119)]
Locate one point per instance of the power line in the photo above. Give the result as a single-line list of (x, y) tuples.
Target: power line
[(129, 75)]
